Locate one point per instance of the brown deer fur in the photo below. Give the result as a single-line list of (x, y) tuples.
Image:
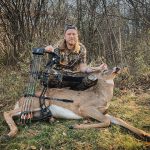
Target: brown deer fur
[(91, 103)]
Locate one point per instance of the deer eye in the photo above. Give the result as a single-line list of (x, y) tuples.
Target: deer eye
[(105, 71)]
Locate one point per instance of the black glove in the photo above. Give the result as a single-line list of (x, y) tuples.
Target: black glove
[(38, 51)]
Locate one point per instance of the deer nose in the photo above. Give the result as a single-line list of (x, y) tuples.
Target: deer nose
[(116, 69)]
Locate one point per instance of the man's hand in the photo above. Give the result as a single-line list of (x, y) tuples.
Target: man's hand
[(40, 51), (86, 69), (103, 67), (49, 49)]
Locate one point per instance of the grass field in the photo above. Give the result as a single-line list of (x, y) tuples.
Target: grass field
[(130, 105)]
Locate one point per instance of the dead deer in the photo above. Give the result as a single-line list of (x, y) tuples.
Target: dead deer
[(91, 103)]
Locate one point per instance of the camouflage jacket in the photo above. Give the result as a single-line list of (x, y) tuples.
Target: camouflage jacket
[(71, 60)]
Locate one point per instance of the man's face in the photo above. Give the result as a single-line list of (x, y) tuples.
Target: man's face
[(71, 36)]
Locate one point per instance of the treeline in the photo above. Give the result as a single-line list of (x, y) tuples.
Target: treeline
[(114, 31)]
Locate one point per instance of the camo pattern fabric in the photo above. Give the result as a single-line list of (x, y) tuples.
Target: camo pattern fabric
[(71, 60)]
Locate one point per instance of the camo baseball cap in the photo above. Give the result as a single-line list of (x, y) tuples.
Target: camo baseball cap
[(70, 26)]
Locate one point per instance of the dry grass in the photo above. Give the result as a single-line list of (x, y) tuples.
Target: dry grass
[(130, 106)]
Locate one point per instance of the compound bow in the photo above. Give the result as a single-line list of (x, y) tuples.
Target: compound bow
[(26, 110)]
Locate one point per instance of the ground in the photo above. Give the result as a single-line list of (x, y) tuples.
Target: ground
[(132, 105)]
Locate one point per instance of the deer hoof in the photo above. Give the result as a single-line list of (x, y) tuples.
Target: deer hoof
[(147, 138), (5, 138)]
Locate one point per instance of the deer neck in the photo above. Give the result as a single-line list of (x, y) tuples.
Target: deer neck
[(103, 88)]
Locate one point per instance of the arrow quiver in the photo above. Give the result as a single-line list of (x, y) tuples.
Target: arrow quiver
[(35, 66)]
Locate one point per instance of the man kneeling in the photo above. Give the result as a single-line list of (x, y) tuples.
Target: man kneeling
[(72, 55)]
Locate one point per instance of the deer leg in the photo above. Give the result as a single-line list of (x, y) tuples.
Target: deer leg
[(92, 112), (135, 130), (9, 120)]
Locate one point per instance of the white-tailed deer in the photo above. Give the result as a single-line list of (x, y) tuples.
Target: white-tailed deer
[(91, 103)]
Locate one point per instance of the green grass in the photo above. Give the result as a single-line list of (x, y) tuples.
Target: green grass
[(42, 135)]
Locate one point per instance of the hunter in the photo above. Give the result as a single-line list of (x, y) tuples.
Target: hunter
[(72, 55)]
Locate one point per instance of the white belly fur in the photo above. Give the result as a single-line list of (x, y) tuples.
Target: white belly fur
[(57, 111), (60, 112)]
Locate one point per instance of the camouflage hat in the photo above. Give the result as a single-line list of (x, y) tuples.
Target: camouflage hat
[(67, 27)]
